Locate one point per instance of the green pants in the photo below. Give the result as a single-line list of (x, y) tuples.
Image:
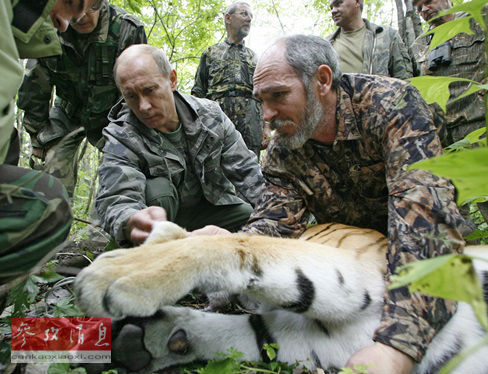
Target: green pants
[(161, 192), (34, 218)]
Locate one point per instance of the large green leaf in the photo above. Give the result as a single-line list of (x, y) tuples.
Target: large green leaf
[(468, 170), (436, 89), (448, 30), (450, 277), (474, 8)]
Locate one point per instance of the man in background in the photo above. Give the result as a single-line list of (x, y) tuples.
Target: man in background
[(462, 56), (364, 47), (85, 89), (170, 156), (225, 75), (34, 210)]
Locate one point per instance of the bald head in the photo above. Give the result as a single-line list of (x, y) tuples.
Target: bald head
[(141, 54)]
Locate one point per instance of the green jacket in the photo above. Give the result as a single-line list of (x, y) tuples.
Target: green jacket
[(384, 52), (134, 153), (21, 37), (468, 60), (83, 77)]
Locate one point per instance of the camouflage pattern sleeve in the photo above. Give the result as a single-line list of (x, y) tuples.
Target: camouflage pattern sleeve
[(34, 98), (240, 165), (281, 209), (121, 191), (200, 88), (423, 221), (131, 32), (400, 64)]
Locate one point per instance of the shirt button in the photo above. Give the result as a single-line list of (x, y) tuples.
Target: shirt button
[(47, 39)]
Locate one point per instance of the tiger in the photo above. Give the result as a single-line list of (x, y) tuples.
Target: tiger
[(320, 298)]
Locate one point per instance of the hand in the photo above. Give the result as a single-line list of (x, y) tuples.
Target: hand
[(382, 359), (209, 230), (140, 224), (266, 135)]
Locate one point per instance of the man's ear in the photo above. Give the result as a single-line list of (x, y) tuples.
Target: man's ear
[(173, 79), (324, 79)]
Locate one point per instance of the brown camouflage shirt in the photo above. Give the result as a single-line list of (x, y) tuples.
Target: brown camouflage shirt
[(468, 60), (361, 179)]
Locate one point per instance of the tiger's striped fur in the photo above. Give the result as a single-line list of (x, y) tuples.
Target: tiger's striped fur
[(320, 297)]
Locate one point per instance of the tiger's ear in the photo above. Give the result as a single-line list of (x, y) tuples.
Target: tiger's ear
[(165, 231), (179, 343)]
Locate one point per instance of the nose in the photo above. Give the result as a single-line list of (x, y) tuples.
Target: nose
[(269, 112), (60, 22), (144, 105)]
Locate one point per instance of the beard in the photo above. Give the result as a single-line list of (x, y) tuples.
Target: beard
[(304, 130)]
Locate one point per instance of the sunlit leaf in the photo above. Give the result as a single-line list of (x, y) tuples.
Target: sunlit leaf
[(468, 170), (436, 89), (474, 8), (448, 30), (450, 277)]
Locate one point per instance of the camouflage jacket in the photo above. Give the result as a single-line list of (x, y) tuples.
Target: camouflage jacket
[(383, 125), (224, 67), (21, 37), (82, 75), (468, 60), (384, 52), (134, 153)]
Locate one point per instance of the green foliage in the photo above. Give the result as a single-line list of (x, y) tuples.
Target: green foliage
[(358, 369), (468, 171), (471, 139), (450, 277), (436, 89), (64, 368)]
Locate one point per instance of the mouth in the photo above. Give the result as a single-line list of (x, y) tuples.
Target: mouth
[(336, 17)]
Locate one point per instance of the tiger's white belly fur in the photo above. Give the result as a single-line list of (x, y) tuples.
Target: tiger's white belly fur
[(318, 302)]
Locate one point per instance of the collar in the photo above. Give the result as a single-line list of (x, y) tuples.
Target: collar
[(347, 127), (239, 45)]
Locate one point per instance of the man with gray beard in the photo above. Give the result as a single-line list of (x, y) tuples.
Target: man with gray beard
[(342, 147), (341, 151)]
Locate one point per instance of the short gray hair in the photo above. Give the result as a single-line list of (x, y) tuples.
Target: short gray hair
[(158, 56), (231, 9), (305, 53)]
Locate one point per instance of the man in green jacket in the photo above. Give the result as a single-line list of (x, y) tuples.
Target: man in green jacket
[(170, 156), (462, 56), (364, 47), (34, 211), (225, 75), (85, 89)]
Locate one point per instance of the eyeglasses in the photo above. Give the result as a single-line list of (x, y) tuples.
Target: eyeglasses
[(96, 6)]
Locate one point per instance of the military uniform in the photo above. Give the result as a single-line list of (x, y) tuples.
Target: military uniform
[(142, 167), (85, 90), (34, 211), (383, 126), (384, 52), (225, 75), (468, 60)]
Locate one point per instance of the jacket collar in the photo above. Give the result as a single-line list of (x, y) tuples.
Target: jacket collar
[(376, 29)]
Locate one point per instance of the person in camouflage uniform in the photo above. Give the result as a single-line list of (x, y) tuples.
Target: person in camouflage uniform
[(341, 151), (463, 56), (225, 75), (170, 156), (364, 47), (85, 89), (34, 209)]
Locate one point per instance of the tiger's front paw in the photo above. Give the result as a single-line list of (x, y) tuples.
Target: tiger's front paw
[(110, 288)]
